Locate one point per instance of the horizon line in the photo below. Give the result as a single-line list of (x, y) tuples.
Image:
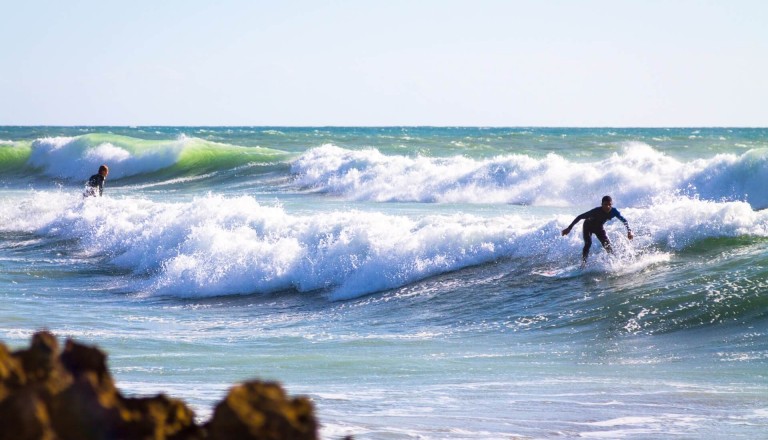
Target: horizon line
[(383, 126)]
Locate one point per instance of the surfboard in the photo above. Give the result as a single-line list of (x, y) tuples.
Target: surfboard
[(560, 272)]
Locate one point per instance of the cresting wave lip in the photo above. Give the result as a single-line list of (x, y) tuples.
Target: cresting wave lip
[(636, 174), (75, 158)]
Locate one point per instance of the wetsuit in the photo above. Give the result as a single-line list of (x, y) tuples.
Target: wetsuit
[(593, 224), (96, 182)]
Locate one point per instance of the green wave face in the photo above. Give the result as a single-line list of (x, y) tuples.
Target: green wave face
[(14, 157), (201, 156), (75, 158)]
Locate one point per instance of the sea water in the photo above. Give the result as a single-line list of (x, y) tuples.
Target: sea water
[(393, 274)]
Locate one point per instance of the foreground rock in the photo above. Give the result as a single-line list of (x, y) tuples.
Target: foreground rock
[(52, 394)]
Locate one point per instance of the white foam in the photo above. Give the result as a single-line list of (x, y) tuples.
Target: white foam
[(677, 222), (218, 245), (79, 157), (635, 176), (643, 426)]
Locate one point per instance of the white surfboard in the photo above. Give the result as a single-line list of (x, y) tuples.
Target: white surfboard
[(560, 272)]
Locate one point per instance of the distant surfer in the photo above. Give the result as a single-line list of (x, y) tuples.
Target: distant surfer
[(593, 224), (95, 185)]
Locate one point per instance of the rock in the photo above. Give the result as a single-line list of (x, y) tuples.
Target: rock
[(41, 365), (24, 416), (262, 410), (11, 373), (160, 417), (50, 395)]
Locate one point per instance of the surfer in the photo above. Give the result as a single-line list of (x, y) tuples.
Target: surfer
[(95, 185), (593, 224)]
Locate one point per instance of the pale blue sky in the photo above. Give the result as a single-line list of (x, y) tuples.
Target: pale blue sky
[(388, 62)]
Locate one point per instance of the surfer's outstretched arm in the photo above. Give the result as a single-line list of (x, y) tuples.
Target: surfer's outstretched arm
[(626, 223), (581, 217)]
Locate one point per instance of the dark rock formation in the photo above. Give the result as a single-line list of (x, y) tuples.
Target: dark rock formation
[(262, 410), (46, 394)]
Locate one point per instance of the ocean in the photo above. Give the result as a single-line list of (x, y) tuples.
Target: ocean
[(412, 281)]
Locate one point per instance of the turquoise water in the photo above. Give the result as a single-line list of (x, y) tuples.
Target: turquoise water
[(393, 274)]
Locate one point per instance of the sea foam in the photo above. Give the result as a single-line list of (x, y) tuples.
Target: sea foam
[(217, 245), (636, 176)]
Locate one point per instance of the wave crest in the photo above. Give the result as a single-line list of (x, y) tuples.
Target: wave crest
[(636, 176), (75, 158), (219, 245)]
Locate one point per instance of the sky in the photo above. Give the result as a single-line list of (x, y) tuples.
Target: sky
[(567, 63)]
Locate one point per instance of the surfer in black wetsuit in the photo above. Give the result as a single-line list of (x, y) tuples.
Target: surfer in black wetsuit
[(593, 224), (95, 185)]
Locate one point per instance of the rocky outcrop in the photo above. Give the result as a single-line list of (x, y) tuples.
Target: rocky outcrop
[(47, 393)]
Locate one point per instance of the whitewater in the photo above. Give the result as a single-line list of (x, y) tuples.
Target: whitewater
[(395, 274)]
